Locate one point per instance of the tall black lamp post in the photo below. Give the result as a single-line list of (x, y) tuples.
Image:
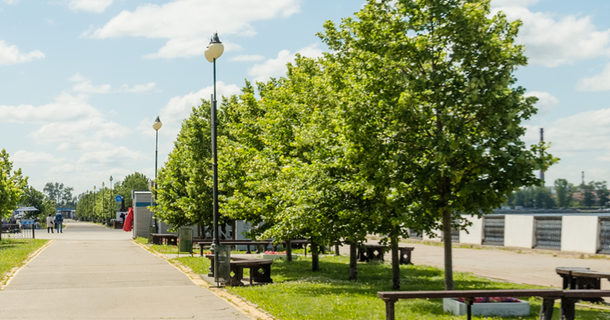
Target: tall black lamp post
[(213, 52), (157, 125)]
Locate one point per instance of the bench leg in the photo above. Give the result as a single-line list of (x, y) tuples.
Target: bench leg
[(546, 309), (567, 309), (201, 250), (248, 251), (469, 302), (389, 309)]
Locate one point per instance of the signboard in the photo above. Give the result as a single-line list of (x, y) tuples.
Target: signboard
[(118, 198)]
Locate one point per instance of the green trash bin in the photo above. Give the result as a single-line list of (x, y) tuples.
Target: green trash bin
[(151, 230), (185, 240)]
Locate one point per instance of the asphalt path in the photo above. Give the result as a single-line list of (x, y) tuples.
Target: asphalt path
[(90, 272)]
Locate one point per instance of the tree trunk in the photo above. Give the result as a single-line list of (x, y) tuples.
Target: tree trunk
[(337, 253), (288, 251), (448, 253), (395, 262), (353, 261), (234, 228), (315, 262)]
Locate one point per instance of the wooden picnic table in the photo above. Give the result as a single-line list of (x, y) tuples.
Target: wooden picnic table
[(368, 252), (247, 243), (582, 278), (168, 238), (260, 270), (568, 299)]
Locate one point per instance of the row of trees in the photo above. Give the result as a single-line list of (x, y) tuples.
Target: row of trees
[(409, 121), (12, 185), (100, 204), (567, 195)]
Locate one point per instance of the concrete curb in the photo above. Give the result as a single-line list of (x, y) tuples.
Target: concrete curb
[(245, 307), (6, 280)]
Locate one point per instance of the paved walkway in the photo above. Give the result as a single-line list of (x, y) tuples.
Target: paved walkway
[(90, 272)]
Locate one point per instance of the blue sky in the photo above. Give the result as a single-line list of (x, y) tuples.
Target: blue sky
[(82, 80)]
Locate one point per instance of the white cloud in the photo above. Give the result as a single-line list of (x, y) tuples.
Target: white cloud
[(552, 41), (11, 54), (85, 86), (26, 157), (277, 67), (598, 82), (96, 6), (583, 132), (179, 108), (247, 57), (65, 108), (11, 1), (188, 24), (138, 88), (546, 101)]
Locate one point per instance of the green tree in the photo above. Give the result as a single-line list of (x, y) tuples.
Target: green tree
[(134, 181), (34, 198), (601, 191), (588, 194), (432, 113), (565, 193), (61, 194), (12, 185)]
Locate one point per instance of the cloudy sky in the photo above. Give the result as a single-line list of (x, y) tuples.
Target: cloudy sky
[(83, 80)]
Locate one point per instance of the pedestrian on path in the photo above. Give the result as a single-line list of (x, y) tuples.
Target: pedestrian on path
[(59, 221), (128, 224), (49, 224)]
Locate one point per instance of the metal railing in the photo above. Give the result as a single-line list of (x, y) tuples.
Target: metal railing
[(16, 231)]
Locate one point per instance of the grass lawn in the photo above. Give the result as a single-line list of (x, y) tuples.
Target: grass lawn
[(299, 293), (13, 252)]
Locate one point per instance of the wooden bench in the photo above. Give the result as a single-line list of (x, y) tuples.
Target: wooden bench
[(260, 270), (582, 278), (247, 243), (568, 299), (370, 252), (168, 238)]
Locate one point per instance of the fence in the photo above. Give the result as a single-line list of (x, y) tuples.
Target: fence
[(16, 231), (493, 230), (604, 235), (548, 233)]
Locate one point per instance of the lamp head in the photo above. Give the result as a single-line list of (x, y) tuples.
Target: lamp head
[(157, 125), (215, 48), (110, 178)]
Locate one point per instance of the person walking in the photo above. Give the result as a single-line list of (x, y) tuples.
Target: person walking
[(49, 224), (59, 220)]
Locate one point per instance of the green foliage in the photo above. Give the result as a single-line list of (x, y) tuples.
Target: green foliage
[(12, 185), (588, 194), (565, 193), (601, 191), (60, 194), (134, 181), (34, 198), (533, 197)]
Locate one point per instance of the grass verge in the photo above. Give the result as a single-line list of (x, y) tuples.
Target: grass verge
[(13, 252)]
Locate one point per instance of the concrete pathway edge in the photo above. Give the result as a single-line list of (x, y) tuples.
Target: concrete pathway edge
[(241, 304), (6, 280)]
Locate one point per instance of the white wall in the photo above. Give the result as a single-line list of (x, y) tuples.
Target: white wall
[(519, 231), (436, 237), (475, 231), (580, 233)]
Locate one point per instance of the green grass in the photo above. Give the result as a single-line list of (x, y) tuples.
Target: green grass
[(299, 293), (13, 252)]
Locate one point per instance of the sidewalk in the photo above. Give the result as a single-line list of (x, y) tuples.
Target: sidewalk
[(90, 272)]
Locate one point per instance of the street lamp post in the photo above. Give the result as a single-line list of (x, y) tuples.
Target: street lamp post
[(213, 52), (111, 192), (157, 125), (94, 202), (103, 206)]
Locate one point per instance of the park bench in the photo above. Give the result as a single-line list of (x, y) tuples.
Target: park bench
[(582, 278), (167, 238), (260, 270), (368, 252), (568, 299), (247, 243)]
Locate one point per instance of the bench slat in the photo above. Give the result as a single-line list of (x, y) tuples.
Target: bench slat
[(586, 293), (549, 293)]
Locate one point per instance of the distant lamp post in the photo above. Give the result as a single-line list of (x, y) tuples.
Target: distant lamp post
[(103, 206), (111, 192), (213, 52), (94, 201), (157, 125)]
